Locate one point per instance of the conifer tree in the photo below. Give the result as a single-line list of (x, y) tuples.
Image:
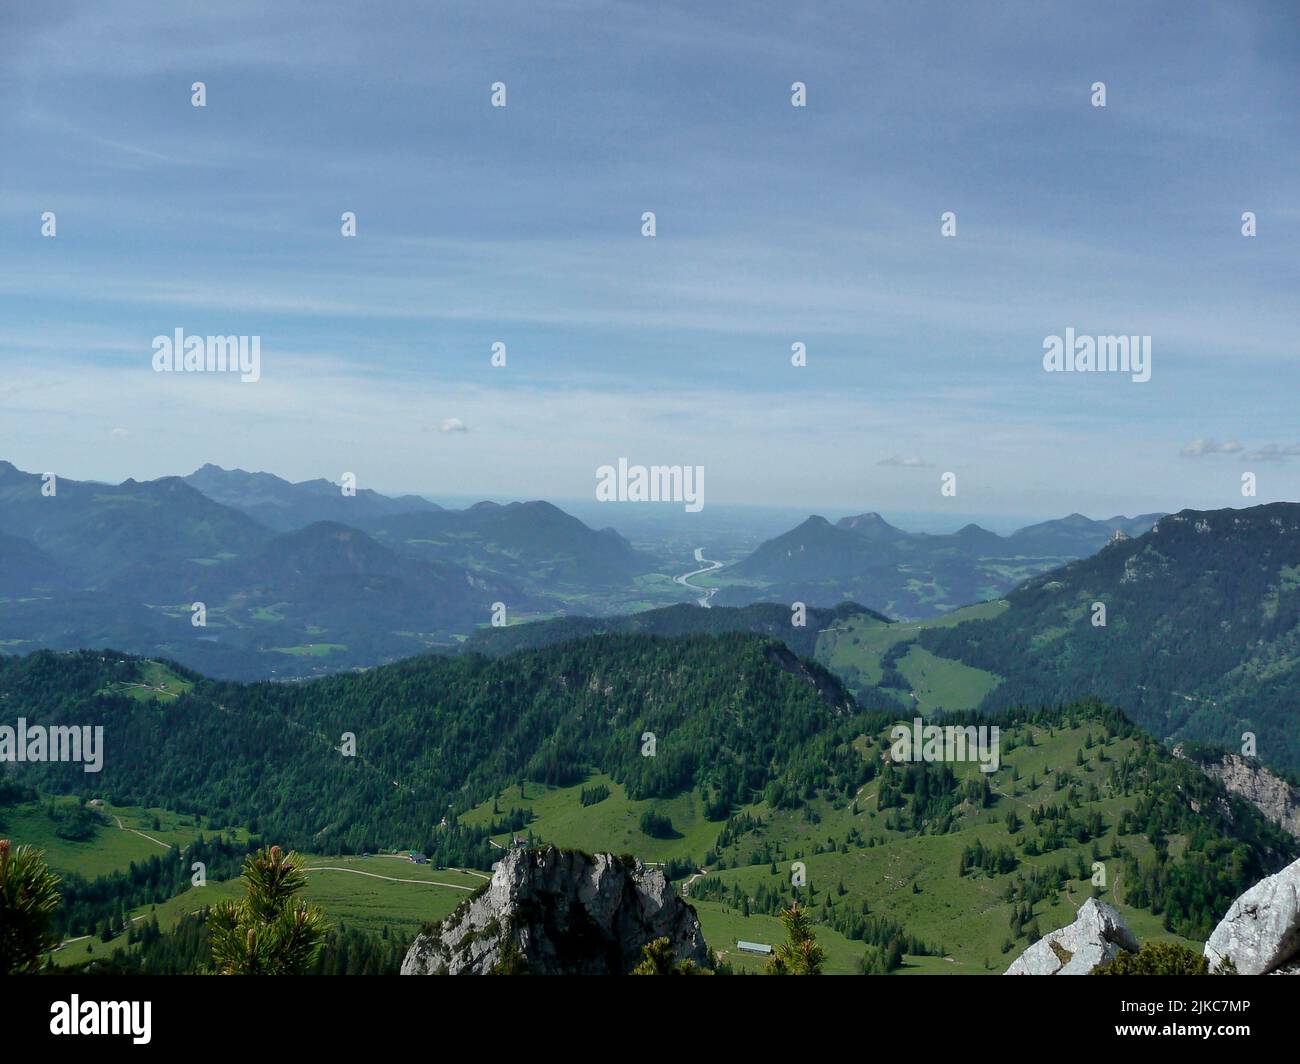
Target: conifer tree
[(269, 931), (28, 898), (799, 954), (657, 959)]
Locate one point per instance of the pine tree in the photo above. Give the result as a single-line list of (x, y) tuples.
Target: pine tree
[(269, 931), (799, 954), (657, 959), (28, 898)]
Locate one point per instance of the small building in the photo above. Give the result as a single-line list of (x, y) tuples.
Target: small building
[(753, 947), (417, 858)]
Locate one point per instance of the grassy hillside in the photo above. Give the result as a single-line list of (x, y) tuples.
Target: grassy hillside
[(876, 657), (385, 891), (1109, 790), (764, 767), (114, 835)]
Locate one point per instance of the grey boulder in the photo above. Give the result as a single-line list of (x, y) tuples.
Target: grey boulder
[(1096, 937), (1261, 931)]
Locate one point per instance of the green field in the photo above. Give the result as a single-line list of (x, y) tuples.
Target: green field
[(128, 834), (911, 879), (157, 683), (310, 650), (723, 927), (373, 892), (855, 648), (368, 893), (365, 893), (939, 684), (612, 825)]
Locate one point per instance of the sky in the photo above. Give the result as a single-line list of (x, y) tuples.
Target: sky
[(775, 225)]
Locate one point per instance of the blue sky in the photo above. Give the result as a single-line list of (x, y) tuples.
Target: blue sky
[(775, 224)]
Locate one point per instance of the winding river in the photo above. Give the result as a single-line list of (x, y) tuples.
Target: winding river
[(709, 566)]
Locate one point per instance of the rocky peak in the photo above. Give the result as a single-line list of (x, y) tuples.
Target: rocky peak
[(1266, 791), (560, 912)]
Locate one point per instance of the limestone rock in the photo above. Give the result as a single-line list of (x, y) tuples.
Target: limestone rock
[(560, 912), (1096, 936), (1261, 931), (1266, 791)]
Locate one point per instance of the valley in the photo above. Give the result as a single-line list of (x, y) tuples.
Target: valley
[(422, 727)]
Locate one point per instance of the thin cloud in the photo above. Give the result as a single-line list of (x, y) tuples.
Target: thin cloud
[(909, 462), (454, 424), (1201, 447), (1272, 452)]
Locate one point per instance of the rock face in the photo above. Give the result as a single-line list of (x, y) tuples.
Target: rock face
[(1270, 794), (1096, 936), (1261, 932), (560, 912)]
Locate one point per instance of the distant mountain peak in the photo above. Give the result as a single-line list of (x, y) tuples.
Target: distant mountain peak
[(871, 525)]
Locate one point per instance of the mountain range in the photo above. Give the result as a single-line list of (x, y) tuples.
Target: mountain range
[(1200, 640), (294, 579), (909, 575), (284, 506)]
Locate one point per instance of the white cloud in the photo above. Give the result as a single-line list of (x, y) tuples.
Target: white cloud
[(1200, 447), (454, 424)]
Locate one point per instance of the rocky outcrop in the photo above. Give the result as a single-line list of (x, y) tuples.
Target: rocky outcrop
[(1096, 937), (1261, 932), (1269, 793), (560, 912)]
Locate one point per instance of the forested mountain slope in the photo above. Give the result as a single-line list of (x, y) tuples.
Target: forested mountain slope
[(766, 617), (1202, 632)]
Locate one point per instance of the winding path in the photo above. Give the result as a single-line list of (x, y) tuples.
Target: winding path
[(391, 879)]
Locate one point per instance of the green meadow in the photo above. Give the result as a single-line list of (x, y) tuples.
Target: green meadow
[(128, 833), (157, 683), (856, 647), (911, 879), (859, 859), (370, 894)]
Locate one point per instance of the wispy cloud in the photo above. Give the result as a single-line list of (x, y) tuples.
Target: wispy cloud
[(1199, 448), (1272, 452)]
